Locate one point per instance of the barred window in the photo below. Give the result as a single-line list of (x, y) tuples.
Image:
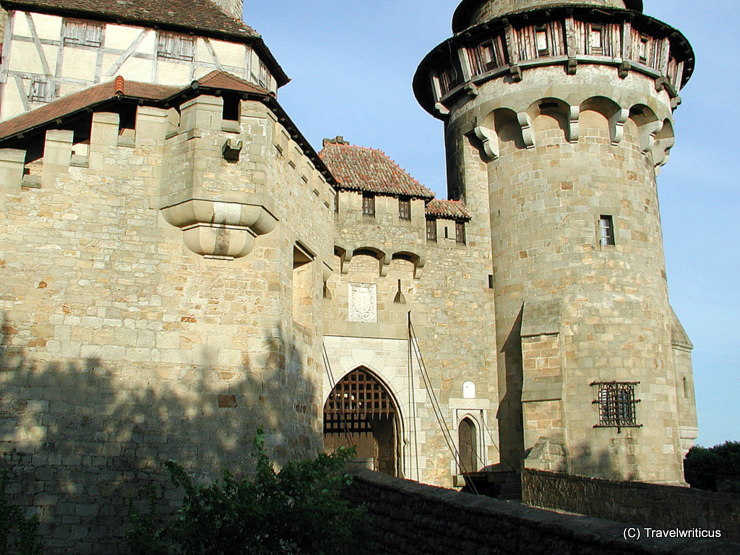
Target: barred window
[(431, 230), (41, 91), (368, 204), (404, 208), (617, 404), (176, 47), (84, 33)]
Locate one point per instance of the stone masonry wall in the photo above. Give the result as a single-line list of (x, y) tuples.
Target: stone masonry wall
[(658, 506), (121, 347), (407, 517)]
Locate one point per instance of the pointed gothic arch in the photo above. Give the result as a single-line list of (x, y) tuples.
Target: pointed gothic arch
[(361, 412)]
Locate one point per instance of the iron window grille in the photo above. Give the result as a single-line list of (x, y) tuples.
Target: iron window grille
[(368, 205), (617, 405)]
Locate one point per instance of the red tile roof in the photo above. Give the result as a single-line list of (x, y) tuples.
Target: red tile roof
[(223, 80), (198, 15), (367, 169), (448, 210), (82, 100)]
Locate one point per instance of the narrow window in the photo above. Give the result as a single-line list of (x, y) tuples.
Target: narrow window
[(596, 42), (176, 47), (264, 79), (644, 42), (490, 281), (543, 48), (336, 202), (460, 233), (617, 404), (606, 230), (368, 205), (404, 208), (41, 91), (84, 33), (431, 230)]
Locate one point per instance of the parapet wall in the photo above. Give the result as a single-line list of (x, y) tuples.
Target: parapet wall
[(654, 505), (408, 517)]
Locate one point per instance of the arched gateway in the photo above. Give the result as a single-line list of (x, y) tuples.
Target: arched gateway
[(361, 412)]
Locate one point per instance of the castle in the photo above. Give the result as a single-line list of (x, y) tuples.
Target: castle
[(179, 265)]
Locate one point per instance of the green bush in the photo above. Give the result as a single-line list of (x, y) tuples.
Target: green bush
[(18, 534), (714, 468), (297, 510)]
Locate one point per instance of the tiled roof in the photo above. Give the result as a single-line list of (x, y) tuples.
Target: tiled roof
[(223, 80), (198, 15), (448, 210), (367, 169), (82, 100)]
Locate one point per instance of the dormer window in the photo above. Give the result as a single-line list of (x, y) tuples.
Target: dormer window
[(176, 47), (82, 33)]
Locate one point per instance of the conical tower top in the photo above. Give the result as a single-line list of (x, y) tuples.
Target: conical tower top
[(473, 12)]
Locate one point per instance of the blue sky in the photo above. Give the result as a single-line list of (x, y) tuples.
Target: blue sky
[(351, 64)]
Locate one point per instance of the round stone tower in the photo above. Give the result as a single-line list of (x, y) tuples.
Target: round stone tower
[(558, 117)]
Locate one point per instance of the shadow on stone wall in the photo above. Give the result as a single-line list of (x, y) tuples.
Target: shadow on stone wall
[(81, 437)]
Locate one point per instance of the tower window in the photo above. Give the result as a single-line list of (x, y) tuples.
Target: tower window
[(264, 79), (404, 208), (368, 205), (84, 33), (541, 38), (617, 404), (432, 230), (606, 230), (644, 46), (596, 41), (176, 47), (460, 233)]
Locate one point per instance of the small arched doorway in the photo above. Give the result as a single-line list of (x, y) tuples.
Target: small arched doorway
[(361, 412), (468, 442)]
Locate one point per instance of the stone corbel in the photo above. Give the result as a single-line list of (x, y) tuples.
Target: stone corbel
[(525, 122), (616, 125), (215, 229), (488, 139), (516, 72), (385, 264), (647, 135), (574, 130), (419, 267), (571, 67), (441, 109)]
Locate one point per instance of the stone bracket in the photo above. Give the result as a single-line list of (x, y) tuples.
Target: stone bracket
[(525, 122), (488, 139), (216, 229)]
